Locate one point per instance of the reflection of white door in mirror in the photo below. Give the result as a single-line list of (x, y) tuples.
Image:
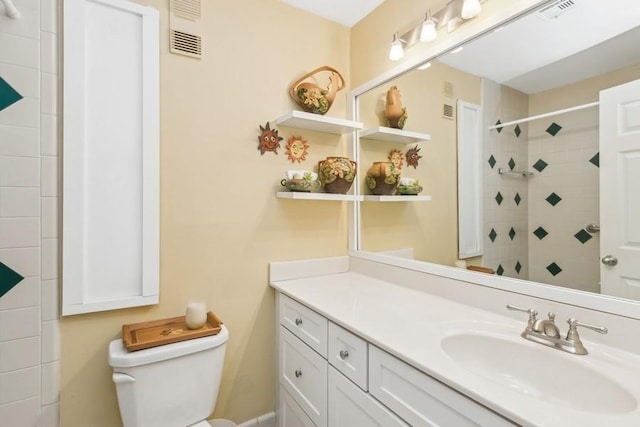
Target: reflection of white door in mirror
[(620, 190)]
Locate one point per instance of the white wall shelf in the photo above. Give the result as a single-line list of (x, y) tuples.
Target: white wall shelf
[(382, 133), (296, 195), (317, 122), (397, 198)]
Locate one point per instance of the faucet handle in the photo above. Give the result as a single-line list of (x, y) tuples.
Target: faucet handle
[(532, 313), (573, 328)]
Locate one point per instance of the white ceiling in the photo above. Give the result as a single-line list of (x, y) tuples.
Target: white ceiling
[(345, 12), (537, 53)]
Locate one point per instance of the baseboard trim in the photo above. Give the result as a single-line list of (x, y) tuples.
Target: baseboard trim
[(266, 420)]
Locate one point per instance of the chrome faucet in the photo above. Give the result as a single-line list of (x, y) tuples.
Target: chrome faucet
[(545, 331)]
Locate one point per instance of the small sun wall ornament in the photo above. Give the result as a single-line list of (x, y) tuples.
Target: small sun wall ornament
[(396, 157), (297, 149), (413, 156), (268, 139)]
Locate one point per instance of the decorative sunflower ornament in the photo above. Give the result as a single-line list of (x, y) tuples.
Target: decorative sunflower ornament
[(413, 156), (268, 139), (297, 149)]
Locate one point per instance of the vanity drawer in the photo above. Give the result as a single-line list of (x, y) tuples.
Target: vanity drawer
[(290, 414), (421, 400), (303, 374), (305, 323), (348, 354)]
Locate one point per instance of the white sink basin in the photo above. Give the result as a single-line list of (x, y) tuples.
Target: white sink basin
[(543, 373)]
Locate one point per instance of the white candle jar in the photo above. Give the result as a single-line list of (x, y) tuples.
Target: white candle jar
[(196, 314)]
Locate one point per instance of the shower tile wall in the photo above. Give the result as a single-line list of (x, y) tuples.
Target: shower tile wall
[(563, 199), (29, 353), (505, 196)]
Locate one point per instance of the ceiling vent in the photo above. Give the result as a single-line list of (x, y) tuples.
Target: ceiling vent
[(184, 27), (556, 9)]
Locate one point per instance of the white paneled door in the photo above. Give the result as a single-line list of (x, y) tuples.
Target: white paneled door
[(620, 190)]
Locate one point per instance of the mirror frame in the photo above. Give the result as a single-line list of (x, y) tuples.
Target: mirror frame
[(588, 300)]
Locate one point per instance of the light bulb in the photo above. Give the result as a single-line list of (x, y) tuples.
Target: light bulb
[(428, 32), (470, 9), (397, 51)]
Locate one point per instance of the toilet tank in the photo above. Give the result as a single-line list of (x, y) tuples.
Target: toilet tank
[(173, 385)]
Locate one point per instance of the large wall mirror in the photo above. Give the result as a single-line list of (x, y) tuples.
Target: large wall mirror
[(540, 204)]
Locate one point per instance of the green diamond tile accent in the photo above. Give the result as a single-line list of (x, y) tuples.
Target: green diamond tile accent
[(595, 159), (8, 95), (499, 129), (540, 165), (540, 233), (492, 161), (553, 129), (517, 131), (554, 269), (499, 198), (493, 235), (512, 163), (517, 199), (512, 233), (553, 199), (518, 267), (8, 279), (583, 236), (500, 270)]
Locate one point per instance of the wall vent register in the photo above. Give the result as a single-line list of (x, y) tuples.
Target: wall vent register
[(184, 27)]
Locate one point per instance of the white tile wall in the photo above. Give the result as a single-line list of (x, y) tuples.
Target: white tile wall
[(29, 331)]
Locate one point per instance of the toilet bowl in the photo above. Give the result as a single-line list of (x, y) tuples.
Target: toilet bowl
[(170, 385)]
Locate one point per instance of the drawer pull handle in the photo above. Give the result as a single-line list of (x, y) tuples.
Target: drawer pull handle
[(298, 373), (344, 354), (298, 322)]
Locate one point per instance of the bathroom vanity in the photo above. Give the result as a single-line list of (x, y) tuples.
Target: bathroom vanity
[(362, 343)]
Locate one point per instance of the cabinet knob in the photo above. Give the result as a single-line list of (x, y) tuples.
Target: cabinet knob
[(344, 354), (298, 373), (298, 322)]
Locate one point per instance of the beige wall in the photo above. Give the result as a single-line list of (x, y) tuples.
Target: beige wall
[(220, 222), (430, 228)]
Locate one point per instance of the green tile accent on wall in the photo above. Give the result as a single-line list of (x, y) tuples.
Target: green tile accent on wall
[(517, 199), (492, 161), (500, 270), (498, 129), (518, 267), (493, 235), (517, 131), (595, 159), (583, 236), (8, 279), (553, 129), (512, 233), (540, 165), (554, 269), (512, 163), (540, 233), (499, 198), (553, 199), (8, 95)]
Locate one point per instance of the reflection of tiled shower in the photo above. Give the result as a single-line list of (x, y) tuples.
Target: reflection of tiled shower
[(535, 225)]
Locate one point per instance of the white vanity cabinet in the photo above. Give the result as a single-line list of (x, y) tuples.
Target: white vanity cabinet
[(330, 377)]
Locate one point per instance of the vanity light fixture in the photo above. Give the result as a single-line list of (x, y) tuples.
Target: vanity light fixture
[(428, 32), (451, 16), (397, 50), (470, 9)]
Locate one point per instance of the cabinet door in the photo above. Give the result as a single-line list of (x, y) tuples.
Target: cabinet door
[(290, 414), (421, 400), (351, 407)]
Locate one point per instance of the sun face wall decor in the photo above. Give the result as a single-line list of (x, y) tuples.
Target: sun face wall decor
[(268, 139), (413, 156), (297, 149)]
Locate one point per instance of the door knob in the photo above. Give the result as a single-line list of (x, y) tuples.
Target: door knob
[(609, 260)]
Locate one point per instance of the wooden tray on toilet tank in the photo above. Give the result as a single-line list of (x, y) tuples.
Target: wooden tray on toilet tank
[(138, 336)]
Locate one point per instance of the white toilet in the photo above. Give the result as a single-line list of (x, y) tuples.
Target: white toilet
[(173, 385)]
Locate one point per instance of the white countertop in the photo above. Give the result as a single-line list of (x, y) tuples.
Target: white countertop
[(410, 324)]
